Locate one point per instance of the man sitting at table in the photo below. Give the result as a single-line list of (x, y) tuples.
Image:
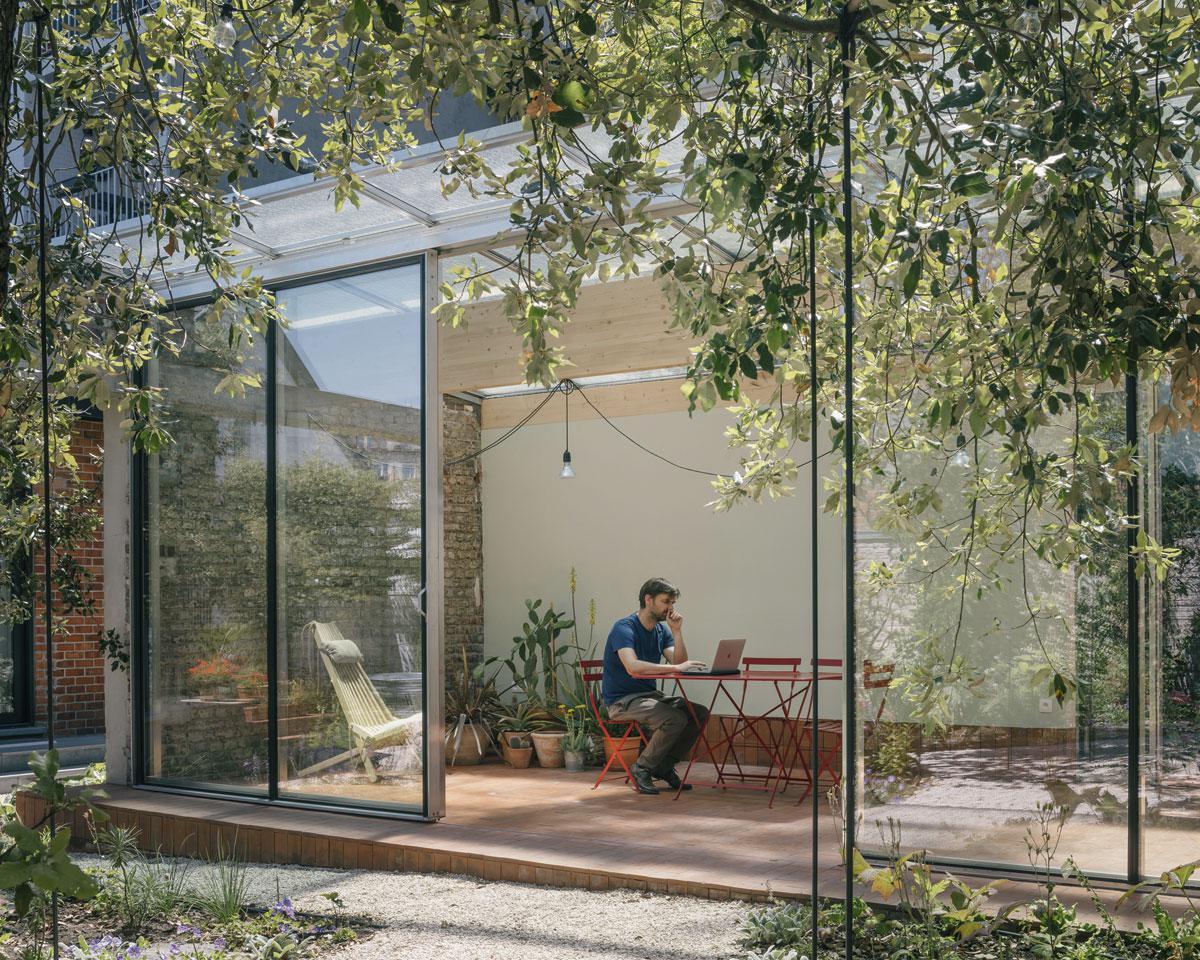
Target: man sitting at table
[(633, 655)]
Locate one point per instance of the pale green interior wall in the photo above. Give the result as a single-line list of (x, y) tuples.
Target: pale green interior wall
[(627, 516)]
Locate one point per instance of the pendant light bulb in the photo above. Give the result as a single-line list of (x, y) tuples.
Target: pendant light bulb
[(224, 34), (1029, 22), (961, 458), (568, 472)]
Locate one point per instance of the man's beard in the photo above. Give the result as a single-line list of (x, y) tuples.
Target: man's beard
[(660, 617)]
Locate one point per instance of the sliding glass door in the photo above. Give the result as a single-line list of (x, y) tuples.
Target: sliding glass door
[(349, 571), (285, 546)]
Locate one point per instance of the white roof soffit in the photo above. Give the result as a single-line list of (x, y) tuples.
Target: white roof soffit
[(291, 229)]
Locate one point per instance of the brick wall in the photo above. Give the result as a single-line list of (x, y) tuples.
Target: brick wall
[(463, 519), (78, 663)]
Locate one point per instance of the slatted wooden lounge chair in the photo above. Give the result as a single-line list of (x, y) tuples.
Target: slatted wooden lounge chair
[(372, 723)]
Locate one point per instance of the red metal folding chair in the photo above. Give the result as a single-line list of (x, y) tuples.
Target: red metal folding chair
[(630, 731), (829, 751), (877, 676), (783, 740), (829, 732)]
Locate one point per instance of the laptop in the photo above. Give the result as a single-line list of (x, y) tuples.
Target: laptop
[(727, 662)]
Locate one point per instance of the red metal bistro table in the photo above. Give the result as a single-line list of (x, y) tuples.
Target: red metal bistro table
[(782, 742)]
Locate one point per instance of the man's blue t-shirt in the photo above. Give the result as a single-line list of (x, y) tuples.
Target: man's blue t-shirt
[(647, 645)]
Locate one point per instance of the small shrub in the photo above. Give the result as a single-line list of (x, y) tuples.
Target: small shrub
[(139, 889), (778, 925), (222, 895)]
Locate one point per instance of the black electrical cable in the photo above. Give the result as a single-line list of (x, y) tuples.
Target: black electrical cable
[(680, 466), (499, 440), (567, 386)]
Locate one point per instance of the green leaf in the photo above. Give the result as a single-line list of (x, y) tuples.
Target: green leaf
[(61, 840), (915, 161), (972, 184), (858, 862), (964, 96), (1079, 356), (390, 15), (568, 118), (28, 840), (586, 24), (14, 873), (912, 277)]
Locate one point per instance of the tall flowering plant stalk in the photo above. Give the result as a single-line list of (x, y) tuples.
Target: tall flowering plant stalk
[(578, 738)]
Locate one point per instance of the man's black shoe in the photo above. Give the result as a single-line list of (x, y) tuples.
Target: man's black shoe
[(671, 779), (642, 782)]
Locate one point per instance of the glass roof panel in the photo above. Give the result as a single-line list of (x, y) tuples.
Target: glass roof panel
[(310, 216), (421, 185)]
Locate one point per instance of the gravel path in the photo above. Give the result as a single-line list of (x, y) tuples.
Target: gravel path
[(443, 917)]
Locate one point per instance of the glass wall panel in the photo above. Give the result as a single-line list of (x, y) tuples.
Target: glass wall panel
[(350, 539), (14, 657), (1171, 746), (972, 754), (206, 598)]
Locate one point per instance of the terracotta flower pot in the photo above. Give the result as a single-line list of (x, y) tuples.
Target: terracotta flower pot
[(518, 757), (549, 747), (517, 749)]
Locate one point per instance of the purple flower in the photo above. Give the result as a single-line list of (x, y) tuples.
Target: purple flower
[(285, 907), (219, 943), (133, 952)]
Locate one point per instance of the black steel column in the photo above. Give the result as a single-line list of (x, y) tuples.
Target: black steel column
[(272, 570), (814, 728), (1136, 716), (47, 478), (849, 762)]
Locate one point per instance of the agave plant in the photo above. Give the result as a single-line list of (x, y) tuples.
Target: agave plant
[(471, 702)]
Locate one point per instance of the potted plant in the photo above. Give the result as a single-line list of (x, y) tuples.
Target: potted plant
[(471, 699), (548, 744), (515, 727), (577, 743)]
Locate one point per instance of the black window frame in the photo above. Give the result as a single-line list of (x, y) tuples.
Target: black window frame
[(139, 575)]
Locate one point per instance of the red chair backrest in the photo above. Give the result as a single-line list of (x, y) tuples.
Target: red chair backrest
[(877, 675), (827, 662), (592, 672)]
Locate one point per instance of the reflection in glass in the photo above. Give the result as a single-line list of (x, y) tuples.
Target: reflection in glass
[(1171, 745), (350, 577), (10, 636), (206, 559), (976, 654)]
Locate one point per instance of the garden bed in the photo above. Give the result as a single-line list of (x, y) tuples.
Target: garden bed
[(96, 931), (1048, 930)]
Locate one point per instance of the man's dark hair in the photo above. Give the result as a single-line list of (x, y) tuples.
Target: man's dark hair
[(654, 586)]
